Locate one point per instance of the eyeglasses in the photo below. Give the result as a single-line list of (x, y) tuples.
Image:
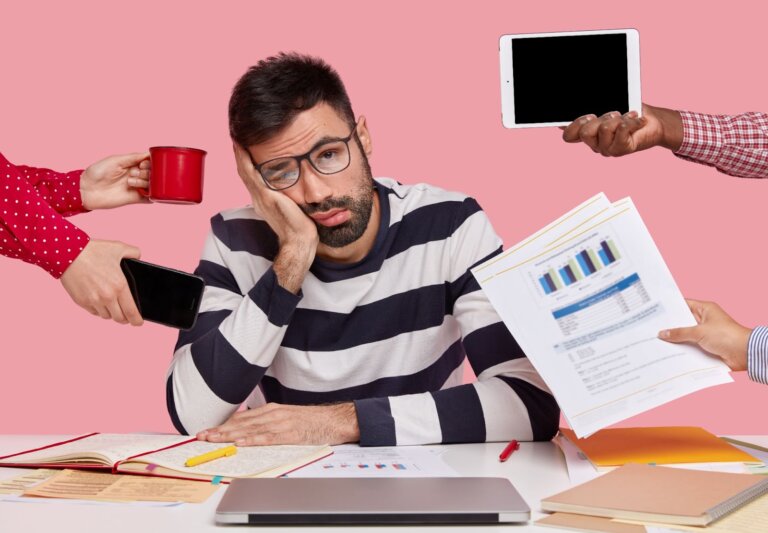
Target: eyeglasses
[(330, 157)]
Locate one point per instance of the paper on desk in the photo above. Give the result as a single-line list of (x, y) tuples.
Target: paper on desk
[(17, 485), (755, 450), (80, 485), (62, 501), (752, 518), (394, 461), (12, 489), (756, 453), (580, 469), (731, 468), (585, 299), (588, 523)]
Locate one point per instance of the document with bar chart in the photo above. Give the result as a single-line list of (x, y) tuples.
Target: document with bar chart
[(350, 460), (585, 298)]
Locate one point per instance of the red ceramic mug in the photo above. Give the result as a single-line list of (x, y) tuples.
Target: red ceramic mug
[(177, 175)]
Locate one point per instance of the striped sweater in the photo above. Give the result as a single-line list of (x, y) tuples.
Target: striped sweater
[(390, 332)]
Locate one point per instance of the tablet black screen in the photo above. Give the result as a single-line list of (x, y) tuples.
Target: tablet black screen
[(558, 79)]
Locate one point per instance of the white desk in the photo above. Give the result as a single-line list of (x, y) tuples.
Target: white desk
[(536, 469)]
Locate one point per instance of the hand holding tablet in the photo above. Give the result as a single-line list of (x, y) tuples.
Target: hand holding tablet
[(550, 79), (614, 134)]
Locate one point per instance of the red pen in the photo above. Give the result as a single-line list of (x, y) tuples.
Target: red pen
[(509, 450)]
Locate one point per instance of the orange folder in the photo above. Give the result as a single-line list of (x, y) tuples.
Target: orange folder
[(659, 445)]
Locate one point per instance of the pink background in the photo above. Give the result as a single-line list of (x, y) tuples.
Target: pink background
[(81, 81)]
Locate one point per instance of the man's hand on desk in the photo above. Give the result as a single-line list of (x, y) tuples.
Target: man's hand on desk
[(276, 423)]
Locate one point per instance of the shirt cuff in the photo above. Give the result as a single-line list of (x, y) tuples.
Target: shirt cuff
[(374, 419), (57, 257), (60, 190), (64, 194), (703, 137), (757, 355), (275, 301)]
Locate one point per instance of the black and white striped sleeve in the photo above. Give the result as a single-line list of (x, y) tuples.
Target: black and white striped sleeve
[(219, 362), (508, 401)]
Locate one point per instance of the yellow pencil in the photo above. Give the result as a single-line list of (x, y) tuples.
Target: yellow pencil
[(210, 456)]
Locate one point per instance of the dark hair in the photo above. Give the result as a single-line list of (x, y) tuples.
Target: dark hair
[(270, 95)]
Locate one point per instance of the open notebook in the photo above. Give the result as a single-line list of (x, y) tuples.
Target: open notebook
[(165, 455)]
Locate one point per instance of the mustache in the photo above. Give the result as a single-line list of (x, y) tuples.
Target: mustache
[(343, 202)]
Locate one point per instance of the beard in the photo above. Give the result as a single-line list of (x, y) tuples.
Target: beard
[(360, 205)]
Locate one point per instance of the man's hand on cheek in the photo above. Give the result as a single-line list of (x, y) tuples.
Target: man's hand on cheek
[(288, 424), (296, 232), (282, 214)]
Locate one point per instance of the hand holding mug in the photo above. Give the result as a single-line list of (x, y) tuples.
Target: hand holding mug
[(115, 181)]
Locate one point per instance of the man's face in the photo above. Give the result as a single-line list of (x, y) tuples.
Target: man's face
[(341, 203)]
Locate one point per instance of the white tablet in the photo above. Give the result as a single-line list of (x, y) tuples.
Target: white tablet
[(550, 79)]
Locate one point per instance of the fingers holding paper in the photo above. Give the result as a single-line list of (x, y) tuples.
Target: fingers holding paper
[(275, 423), (716, 333)]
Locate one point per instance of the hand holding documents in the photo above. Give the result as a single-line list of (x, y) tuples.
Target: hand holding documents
[(585, 298)]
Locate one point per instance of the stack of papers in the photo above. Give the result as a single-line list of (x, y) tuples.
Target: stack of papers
[(662, 497), (585, 297), (82, 487)]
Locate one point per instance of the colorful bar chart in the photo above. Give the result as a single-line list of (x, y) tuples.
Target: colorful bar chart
[(583, 264)]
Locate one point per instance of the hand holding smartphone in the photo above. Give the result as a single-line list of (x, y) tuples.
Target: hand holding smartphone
[(163, 295)]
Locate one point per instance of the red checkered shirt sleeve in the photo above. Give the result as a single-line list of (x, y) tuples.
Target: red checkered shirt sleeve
[(33, 204), (736, 145)]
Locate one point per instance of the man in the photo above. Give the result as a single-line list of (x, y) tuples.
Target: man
[(345, 303), (736, 145)]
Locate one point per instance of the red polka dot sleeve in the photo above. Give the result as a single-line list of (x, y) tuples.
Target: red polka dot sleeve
[(33, 204)]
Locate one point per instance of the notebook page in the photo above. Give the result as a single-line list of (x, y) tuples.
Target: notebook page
[(111, 446), (248, 461)]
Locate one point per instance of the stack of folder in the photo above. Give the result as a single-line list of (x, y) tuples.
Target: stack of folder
[(663, 497), (637, 491), (614, 447)]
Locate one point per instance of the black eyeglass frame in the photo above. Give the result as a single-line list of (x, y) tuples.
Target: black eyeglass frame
[(300, 158)]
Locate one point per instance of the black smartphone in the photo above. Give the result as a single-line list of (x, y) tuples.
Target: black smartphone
[(163, 295)]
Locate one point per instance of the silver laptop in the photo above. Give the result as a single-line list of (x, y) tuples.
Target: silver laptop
[(293, 501)]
